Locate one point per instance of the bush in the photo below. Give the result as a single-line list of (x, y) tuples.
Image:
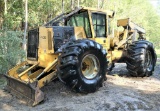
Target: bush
[(11, 51)]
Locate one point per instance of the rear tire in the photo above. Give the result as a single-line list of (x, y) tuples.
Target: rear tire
[(141, 58), (82, 65)]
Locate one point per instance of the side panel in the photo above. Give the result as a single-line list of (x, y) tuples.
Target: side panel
[(105, 42), (45, 40), (46, 48)]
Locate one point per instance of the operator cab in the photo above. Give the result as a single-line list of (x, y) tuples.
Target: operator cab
[(94, 23)]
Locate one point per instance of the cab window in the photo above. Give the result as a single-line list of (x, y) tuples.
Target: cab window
[(99, 24), (81, 19)]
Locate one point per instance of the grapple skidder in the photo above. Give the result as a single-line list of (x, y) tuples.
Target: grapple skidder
[(79, 47)]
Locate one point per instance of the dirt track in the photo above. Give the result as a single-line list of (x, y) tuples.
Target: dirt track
[(118, 93)]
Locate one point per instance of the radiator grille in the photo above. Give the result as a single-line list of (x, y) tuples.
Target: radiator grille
[(32, 47)]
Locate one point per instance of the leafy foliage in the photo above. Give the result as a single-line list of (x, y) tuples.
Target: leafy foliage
[(141, 12), (10, 50)]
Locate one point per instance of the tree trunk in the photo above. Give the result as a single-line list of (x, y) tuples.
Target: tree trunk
[(5, 7), (72, 4), (26, 24)]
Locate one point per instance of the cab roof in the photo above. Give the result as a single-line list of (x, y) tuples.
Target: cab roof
[(108, 12)]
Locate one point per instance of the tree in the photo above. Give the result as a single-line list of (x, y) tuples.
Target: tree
[(26, 24)]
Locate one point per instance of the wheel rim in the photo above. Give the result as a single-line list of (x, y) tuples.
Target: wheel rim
[(90, 66), (148, 61)]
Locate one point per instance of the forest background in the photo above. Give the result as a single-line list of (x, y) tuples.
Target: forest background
[(12, 21)]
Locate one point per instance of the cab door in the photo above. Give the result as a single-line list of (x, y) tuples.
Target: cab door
[(99, 25)]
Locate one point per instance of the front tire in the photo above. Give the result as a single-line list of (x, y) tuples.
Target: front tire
[(141, 58), (83, 65)]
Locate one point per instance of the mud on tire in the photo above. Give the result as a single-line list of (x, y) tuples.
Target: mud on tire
[(82, 65), (141, 58)]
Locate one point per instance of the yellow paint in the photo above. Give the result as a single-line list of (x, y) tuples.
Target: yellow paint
[(47, 79), (46, 47), (45, 59), (46, 40), (116, 55), (79, 33), (24, 72), (13, 72), (109, 12)]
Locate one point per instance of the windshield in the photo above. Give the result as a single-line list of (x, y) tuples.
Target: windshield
[(81, 19)]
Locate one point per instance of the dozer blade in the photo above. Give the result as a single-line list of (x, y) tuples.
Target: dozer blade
[(29, 92), (22, 83), (25, 82)]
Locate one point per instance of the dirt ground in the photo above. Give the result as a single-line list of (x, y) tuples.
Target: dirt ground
[(119, 93)]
